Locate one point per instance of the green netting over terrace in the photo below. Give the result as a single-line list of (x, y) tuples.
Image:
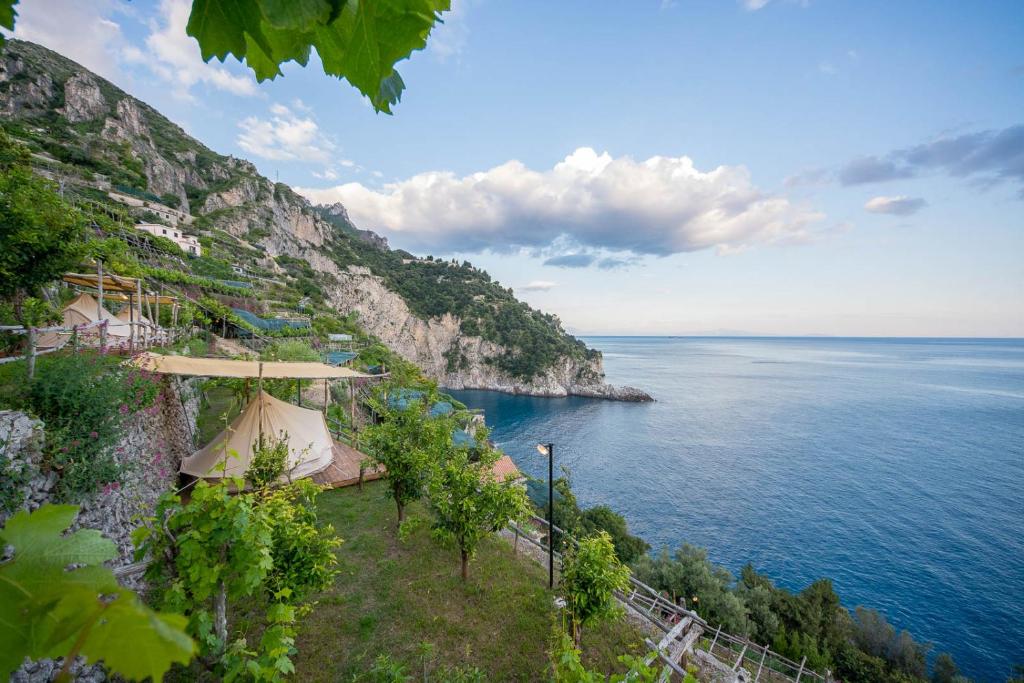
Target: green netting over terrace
[(269, 324)]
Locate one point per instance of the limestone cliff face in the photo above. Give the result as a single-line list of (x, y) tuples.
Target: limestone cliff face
[(426, 343)]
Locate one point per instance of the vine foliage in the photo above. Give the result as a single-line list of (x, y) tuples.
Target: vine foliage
[(48, 610), (258, 550)]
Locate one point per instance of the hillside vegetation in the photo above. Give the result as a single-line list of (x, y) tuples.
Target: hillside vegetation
[(85, 131)]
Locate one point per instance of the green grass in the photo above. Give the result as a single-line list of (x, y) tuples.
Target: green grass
[(392, 596)]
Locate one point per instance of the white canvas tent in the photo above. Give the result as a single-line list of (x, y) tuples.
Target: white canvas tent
[(309, 442), (128, 316), (85, 309)]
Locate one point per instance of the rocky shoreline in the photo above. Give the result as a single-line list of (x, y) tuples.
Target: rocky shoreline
[(606, 392)]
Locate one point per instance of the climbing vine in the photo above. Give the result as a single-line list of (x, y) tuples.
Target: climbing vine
[(261, 551)]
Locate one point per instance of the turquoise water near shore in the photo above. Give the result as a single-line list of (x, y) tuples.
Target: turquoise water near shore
[(893, 466)]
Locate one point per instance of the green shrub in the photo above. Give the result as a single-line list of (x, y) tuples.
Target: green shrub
[(84, 400), (269, 459)]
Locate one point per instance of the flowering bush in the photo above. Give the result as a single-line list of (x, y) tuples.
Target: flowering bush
[(84, 399)]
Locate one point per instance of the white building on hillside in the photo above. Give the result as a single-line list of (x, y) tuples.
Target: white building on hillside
[(188, 243)]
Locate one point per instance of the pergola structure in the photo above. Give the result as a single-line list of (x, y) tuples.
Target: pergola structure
[(126, 289)]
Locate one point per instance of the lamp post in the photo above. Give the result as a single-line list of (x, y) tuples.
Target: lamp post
[(549, 451)]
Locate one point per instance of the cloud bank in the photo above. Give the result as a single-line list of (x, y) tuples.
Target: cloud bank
[(988, 156), (895, 206), (589, 201)]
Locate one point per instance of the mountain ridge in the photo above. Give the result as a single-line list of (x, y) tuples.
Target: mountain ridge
[(460, 327)]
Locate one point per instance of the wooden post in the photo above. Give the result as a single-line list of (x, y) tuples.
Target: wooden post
[(131, 326), (138, 289), (327, 393), (99, 306), (30, 355), (74, 338), (801, 671), (151, 329), (159, 294)]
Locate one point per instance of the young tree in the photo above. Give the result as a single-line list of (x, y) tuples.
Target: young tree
[(469, 503), (406, 443), (41, 236), (591, 573)]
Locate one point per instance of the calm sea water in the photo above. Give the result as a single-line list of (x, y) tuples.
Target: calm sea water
[(894, 467)]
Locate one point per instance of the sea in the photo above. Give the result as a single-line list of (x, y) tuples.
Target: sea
[(894, 467)]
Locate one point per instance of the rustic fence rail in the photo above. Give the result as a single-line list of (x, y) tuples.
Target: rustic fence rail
[(735, 652)]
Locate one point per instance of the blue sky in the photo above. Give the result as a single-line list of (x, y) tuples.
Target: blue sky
[(775, 167)]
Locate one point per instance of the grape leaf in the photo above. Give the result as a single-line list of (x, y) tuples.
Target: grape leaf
[(358, 40), (7, 16), (45, 608), (295, 14)]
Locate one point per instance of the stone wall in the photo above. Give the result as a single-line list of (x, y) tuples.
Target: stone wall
[(151, 448)]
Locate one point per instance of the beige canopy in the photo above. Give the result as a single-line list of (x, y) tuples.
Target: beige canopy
[(309, 442), (217, 367)]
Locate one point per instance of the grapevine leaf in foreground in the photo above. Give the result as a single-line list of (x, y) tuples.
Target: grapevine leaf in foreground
[(358, 40), (47, 610)]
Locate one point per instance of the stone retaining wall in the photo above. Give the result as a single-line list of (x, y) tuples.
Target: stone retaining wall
[(151, 448)]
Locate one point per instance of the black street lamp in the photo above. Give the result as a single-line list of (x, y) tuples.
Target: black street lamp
[(549, 451)]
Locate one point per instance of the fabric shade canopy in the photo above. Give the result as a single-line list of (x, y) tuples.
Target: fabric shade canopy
[(111, 283), (310, 447), (217, 367)]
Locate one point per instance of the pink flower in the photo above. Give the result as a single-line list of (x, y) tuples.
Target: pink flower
[(94, 435), (124, 409)]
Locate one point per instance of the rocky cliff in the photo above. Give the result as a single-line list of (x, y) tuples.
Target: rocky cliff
[(61, 109)]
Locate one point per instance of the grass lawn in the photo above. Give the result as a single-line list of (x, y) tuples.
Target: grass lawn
[(392, 596)]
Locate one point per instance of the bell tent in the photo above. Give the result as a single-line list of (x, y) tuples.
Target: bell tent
[(310, 447), (85, 309)]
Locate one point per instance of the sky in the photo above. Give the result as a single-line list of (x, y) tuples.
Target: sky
[(652, 167)]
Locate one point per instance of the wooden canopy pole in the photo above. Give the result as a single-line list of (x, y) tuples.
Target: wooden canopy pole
[(138, 288), (99, 307)]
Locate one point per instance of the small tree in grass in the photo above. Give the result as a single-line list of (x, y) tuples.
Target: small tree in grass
[(591, 573), (406, 443), (469, 503)]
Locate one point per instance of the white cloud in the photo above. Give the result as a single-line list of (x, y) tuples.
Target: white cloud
[(754, 5), (827, 68), (895, 206), (659, 206), (82, 31), (174, 56), (539, 286), (328, 174), (286, 136)]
